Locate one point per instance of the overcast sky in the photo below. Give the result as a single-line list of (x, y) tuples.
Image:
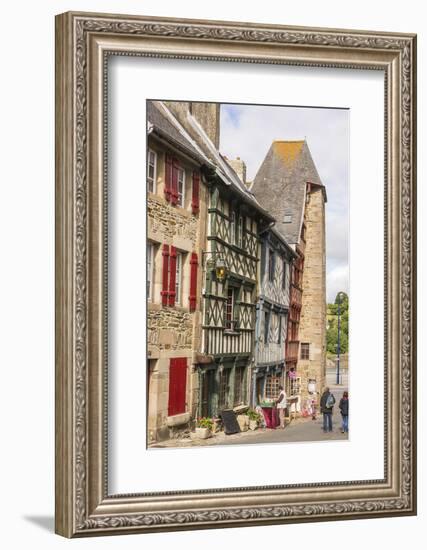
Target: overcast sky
[(247, 132)]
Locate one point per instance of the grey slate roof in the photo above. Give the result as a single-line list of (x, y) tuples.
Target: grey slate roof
[(182, 129), (282, 239), (280, 185), (166, 129)]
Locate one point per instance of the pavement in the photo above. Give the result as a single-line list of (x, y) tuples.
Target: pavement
[(299, 429)]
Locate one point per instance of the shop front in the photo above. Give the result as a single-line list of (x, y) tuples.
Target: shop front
[(223, 386), (266, 382)]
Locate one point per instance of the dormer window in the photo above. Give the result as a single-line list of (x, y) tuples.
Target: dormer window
[(287, 218)]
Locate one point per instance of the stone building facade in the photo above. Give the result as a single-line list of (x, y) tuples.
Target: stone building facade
[(176, 213)]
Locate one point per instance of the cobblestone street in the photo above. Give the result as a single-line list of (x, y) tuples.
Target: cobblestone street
[(300, 429)]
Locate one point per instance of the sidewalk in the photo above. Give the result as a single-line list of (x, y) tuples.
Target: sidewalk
[(300, 429)]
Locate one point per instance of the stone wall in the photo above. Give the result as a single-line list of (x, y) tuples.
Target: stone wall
[(170, 329), (312, 327), (171, 222)]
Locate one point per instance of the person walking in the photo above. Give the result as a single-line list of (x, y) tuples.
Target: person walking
[(327, 402), (343, 405), (281, 403)]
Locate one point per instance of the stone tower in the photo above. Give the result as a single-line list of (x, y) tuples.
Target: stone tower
[(312, 328), (288, 186)]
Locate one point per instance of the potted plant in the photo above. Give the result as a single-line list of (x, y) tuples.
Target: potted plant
[(204, 428), (254, 419)]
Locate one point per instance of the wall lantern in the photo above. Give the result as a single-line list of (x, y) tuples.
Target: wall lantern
[(217, 265), (220, 271)]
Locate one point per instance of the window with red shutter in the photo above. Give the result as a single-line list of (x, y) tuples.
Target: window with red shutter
[(195, 197), (193, 281), (174, 187), (165, 275), (177, 385), (168, 177), (172, 276)]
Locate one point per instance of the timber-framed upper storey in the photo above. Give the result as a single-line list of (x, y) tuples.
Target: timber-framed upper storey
[(83, 43)]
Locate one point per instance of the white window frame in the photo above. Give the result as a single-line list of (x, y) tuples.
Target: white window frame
[(181, 195), (150, 270), (308, 349), (154, 179), (178, 278)]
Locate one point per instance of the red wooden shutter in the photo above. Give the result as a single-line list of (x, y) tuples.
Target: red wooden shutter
[(195, 197), (177, 385), (168, 177), (174, 188), (172, 276), (193, 281), (165, 292)]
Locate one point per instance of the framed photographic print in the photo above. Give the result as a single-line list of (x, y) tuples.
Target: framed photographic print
[(235, 263)]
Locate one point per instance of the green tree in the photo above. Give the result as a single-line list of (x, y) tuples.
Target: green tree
[(332, 324)]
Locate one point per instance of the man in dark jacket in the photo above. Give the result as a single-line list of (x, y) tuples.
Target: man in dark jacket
[(327, 402)]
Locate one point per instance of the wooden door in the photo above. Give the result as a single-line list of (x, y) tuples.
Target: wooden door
[(177, 385)]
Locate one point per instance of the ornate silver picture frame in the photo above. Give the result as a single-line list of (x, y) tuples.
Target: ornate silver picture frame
[(84, 42)]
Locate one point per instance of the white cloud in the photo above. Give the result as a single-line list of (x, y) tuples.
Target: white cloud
[(247, 131), (336, 281)]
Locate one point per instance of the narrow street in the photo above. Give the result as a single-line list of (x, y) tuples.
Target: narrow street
[(300, 429)]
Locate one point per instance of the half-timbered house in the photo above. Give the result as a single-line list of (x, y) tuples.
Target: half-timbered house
[(289, 187), (272, 311), (234, 223)]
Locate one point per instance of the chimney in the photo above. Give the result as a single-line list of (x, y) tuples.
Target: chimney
[(178, 108), (240, 168), (207, 115)]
